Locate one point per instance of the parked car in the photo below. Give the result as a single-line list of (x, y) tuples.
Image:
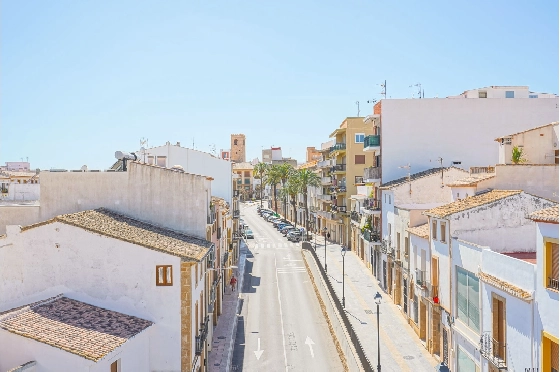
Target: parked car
[(249, 234), (294, 236), (280, 226), (278, 222), (287, 230)]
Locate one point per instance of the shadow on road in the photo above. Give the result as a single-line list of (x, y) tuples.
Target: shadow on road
[(239, 347), (249, 280), (355, 317)]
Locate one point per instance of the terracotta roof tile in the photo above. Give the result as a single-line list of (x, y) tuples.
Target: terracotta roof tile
[(118, 226), (422, 231), (79, 328), (549, 214), (472, 180), (470, 202)]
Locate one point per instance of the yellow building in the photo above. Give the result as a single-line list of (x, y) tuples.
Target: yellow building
[(243, 180), (343, 169)]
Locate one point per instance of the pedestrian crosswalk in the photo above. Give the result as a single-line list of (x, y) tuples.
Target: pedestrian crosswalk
[(278, 245)]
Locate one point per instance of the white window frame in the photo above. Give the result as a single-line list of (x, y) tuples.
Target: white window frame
[(356, 137)]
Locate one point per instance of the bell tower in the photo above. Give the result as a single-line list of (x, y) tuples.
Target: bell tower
[(237, 148)]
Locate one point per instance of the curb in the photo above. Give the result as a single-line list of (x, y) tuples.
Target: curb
[(241, 270)]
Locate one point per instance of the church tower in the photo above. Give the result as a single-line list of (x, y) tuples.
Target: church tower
[(237, 148)]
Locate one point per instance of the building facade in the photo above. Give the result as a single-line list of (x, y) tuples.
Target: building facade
[(237, 152)]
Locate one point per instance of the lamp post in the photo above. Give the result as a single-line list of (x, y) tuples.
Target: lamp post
[(377, 299), (343, 253), (325, 231)]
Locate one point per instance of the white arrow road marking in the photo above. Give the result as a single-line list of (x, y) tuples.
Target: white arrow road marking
[(309, 341), (259, 352)]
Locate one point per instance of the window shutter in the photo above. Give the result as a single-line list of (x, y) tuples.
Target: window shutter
[(359, 159), (554, 273)]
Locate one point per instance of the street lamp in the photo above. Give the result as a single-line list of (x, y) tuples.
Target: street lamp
[(343, 253), (325, 231), (377, 299), (442, 367)]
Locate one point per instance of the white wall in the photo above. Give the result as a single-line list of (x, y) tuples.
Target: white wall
[(538, 145), (133, 355), (120, 276), (501, 225), (23, 191), (419, 131), (201, 163), (540, 180), (18, 215)]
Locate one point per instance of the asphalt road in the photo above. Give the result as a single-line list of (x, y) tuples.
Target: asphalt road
[(281, 326)]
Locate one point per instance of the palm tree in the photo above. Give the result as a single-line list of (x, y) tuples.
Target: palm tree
[(307, 178), (272, 177), (284, 171), (291, 190), (259, 172)]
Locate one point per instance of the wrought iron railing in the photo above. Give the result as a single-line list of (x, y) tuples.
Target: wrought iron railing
[(235, 193), (326, 180), (236, 214), (358, 179), (553, 283), (493, 351), (371, 236), (372, 204), (372, 141), (338, 208), (202, 333), (337, 147), (338, 168), (420, 277), (355, 216)]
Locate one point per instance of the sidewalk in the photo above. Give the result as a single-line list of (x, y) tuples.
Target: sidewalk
[(219, 358), (401, 349)]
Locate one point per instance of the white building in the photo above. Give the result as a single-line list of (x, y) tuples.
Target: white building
[(455, 130), (194, 162), (459, 233), (111, 261), (546, 282)]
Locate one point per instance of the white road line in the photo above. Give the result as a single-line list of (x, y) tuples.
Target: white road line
[(281, 318)]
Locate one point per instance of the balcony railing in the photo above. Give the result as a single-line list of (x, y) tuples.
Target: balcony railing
[(371, 236), (372, 173), (338, 168), (202, 333), (326, 180), (324, 164), (355, 216), (552, 283), (338, 146), (372, 204), (493, 351), (372, 141), (236, 214), (338, 208), (324, 197), (358, 180), (235, 193), (420, 277)]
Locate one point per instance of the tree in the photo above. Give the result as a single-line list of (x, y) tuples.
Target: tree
[(284, 171), (272, 177), (517, 155), (307, 178), (259, 172), (291, 190)]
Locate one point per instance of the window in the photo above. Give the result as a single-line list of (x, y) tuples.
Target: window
[(164, 275), (161, 161), (551, 264), (406, 246), (235, 142), (359, 159), (533, 96), (556, 156), (360, 137), (442, 228), (150, 160), (482, 94), (549, 353), (389, 199), (510, 94), (464, 362), (467, 299), (247, 181), (247, 174), (116, 366)]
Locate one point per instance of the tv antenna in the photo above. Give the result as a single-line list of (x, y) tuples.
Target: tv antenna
[(358, 104), (383, 89), (419, 86), (440, 160), (213, 149), (143, 141), (407, 167)]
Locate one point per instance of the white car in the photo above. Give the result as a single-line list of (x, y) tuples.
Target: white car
[(249, 234)]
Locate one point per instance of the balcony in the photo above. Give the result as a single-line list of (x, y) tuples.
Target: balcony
[(327, 215), (372, 143), (552, 283), (432, 293), (341, 147), (493, 351), (338, 208), (236, 235), (338, 168), (359, 180), (236, 214), (372, 174), (372, 206), (202, 333), (371, 236), (326, 181), (420, 278), (324, 164), (324, 197), (355, 216), (235, 193)]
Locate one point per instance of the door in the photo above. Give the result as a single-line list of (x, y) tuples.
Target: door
[(405, 296), (385, 275), (423, 321)]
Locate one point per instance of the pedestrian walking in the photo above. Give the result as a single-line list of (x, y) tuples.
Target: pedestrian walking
[(328, 236), (233, 282)]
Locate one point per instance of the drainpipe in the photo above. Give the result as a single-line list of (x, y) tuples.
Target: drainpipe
[(533, 332)]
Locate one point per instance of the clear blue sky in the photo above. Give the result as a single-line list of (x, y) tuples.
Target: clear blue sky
[(81, 79)]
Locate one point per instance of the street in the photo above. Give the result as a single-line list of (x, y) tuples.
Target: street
[(280, 326)]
